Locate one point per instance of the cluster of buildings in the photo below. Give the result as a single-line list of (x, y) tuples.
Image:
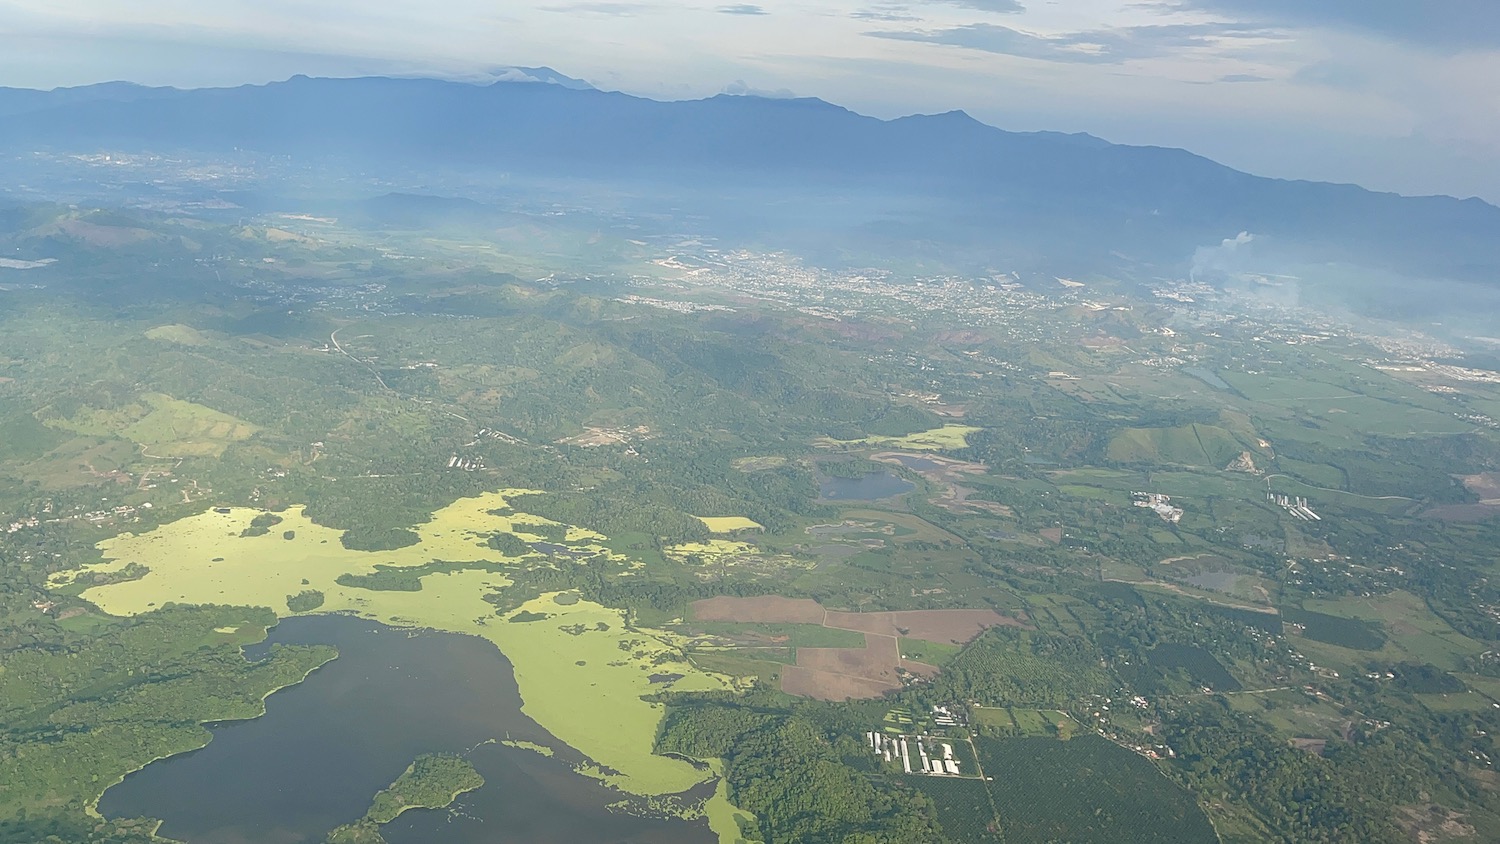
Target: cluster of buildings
[(900, 747), (838, 294), (1159, 504), (468, 464), (122, 511), (1296, 506), (672, 305), (491, 433), (944, 716)]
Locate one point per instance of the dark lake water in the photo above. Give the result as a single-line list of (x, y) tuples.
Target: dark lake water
[(917, 463), (327, 745), (1207, 376), (868, 488), (1219, 581)]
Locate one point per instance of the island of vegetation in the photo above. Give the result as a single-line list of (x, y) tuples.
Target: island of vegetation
[(433, 781)]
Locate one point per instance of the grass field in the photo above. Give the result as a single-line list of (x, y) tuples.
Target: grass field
[(1192, 445), (992, 716), (183, 335), (932, 653), (946, 438), (165, 426), (728, 524), (907, 528), (780, 634), (712, 551), (1033, 723), (1415, 633)]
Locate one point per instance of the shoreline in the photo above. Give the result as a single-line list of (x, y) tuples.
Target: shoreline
[(92, 807)]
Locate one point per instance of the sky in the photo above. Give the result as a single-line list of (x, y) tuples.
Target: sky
[(1397, 95)]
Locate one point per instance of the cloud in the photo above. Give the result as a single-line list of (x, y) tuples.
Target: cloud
[(1332, 74), (742, 9), (1442, 25), (738, 88), (619, 10), (890, 13), (1112, 45), (1244, 77), (1004, 7), (539, 75)]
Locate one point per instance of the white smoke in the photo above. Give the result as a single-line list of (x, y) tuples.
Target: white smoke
[(1224, 258)]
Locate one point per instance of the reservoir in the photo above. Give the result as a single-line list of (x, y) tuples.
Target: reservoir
[(327, 745), (1208, 377), (1218, 581), (918, 463), (869, 487)]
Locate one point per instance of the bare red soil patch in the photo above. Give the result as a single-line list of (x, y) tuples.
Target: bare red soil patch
[(844, 673), (877, 660), (826, 685), (951, 626), (921, 669), (769, 609), (1485, 485)]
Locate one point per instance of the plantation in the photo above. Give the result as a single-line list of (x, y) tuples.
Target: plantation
[(964, 809), (1196, 662), (1086, 791), (1352, 633)]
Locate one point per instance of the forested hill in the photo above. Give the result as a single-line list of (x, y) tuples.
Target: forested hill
[(1149, 201)]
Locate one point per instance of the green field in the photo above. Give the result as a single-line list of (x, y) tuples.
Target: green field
[(1410, 629), (946, 438), (1191, 445), (932, 653), (729, 524)]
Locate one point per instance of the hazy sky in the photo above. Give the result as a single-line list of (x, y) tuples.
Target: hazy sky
[(1393, 94)]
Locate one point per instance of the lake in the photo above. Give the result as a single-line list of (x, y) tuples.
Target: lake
[(869, 487), (1208, 377), (1218, 581), (917, 463), (327, 745)]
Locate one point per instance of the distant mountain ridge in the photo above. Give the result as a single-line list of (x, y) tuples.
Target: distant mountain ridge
[(1110, 197)]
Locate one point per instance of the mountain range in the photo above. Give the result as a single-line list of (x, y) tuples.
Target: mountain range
[(1067, 191)]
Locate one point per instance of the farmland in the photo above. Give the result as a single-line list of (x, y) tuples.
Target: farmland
[(880, 665)]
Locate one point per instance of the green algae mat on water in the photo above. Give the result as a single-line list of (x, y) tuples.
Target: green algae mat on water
[(946, 438), (580, 669)]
